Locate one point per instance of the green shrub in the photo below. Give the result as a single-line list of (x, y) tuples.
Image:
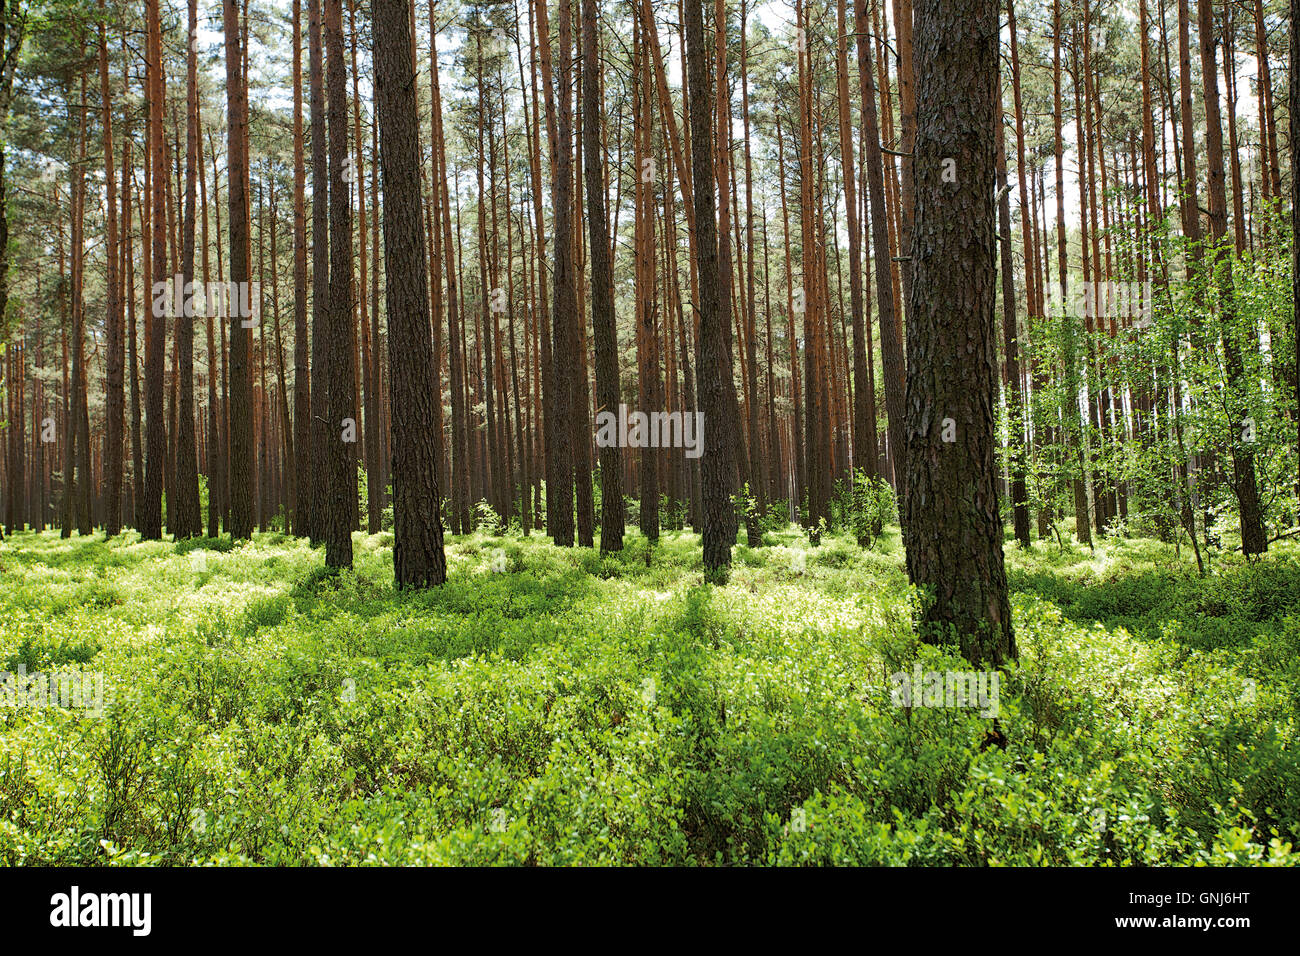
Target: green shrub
[(552, 706)]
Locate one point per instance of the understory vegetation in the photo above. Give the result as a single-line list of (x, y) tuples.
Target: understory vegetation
[(552, 706)]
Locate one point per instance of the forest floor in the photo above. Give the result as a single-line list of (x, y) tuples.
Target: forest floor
[(552, 706)]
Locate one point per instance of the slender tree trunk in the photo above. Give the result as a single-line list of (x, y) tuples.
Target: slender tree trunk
[(798, 476), (113, 295), (891, 347), (212, 452), (302, 430), (156, 318), (339, 468), (187, 521), (565, 303), (602, 284), (133, 364), (460, 489), (1294, 95), (1011, 337), (317, 492), (1253, 537), (1265, 93), (734, 439), (1294, 110), (757, 481), (864, 428), (649, 384), (1073, 417), (904, 20)]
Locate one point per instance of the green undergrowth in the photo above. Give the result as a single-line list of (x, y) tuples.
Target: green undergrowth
[(553, 706)]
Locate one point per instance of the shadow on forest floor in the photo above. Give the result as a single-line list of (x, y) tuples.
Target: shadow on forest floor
[(1229, 608)]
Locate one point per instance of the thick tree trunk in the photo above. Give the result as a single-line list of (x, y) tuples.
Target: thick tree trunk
[(713, 369), (418, 559), (241, 384), (953, 534)]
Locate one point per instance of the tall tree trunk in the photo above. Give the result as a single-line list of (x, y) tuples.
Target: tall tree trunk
[(156, 318), (954, 532), (734, 439), (187, 521), (240, 371), (460, 494), (340, 470), (1294, 95), (418, 559), (302, 429), (891, 347), (864, 428), (565, 304), (604, 328), (317, 491), (370, 401), (284, 461), (133, 363), (212, 456), (1265, 94), (13, 31), (113, 295), (1253, 537), (649, 384), (1010, 336), (1073, 417), (713, 369), (904, 22), (813, 304), (580, 402), (757, 481)]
